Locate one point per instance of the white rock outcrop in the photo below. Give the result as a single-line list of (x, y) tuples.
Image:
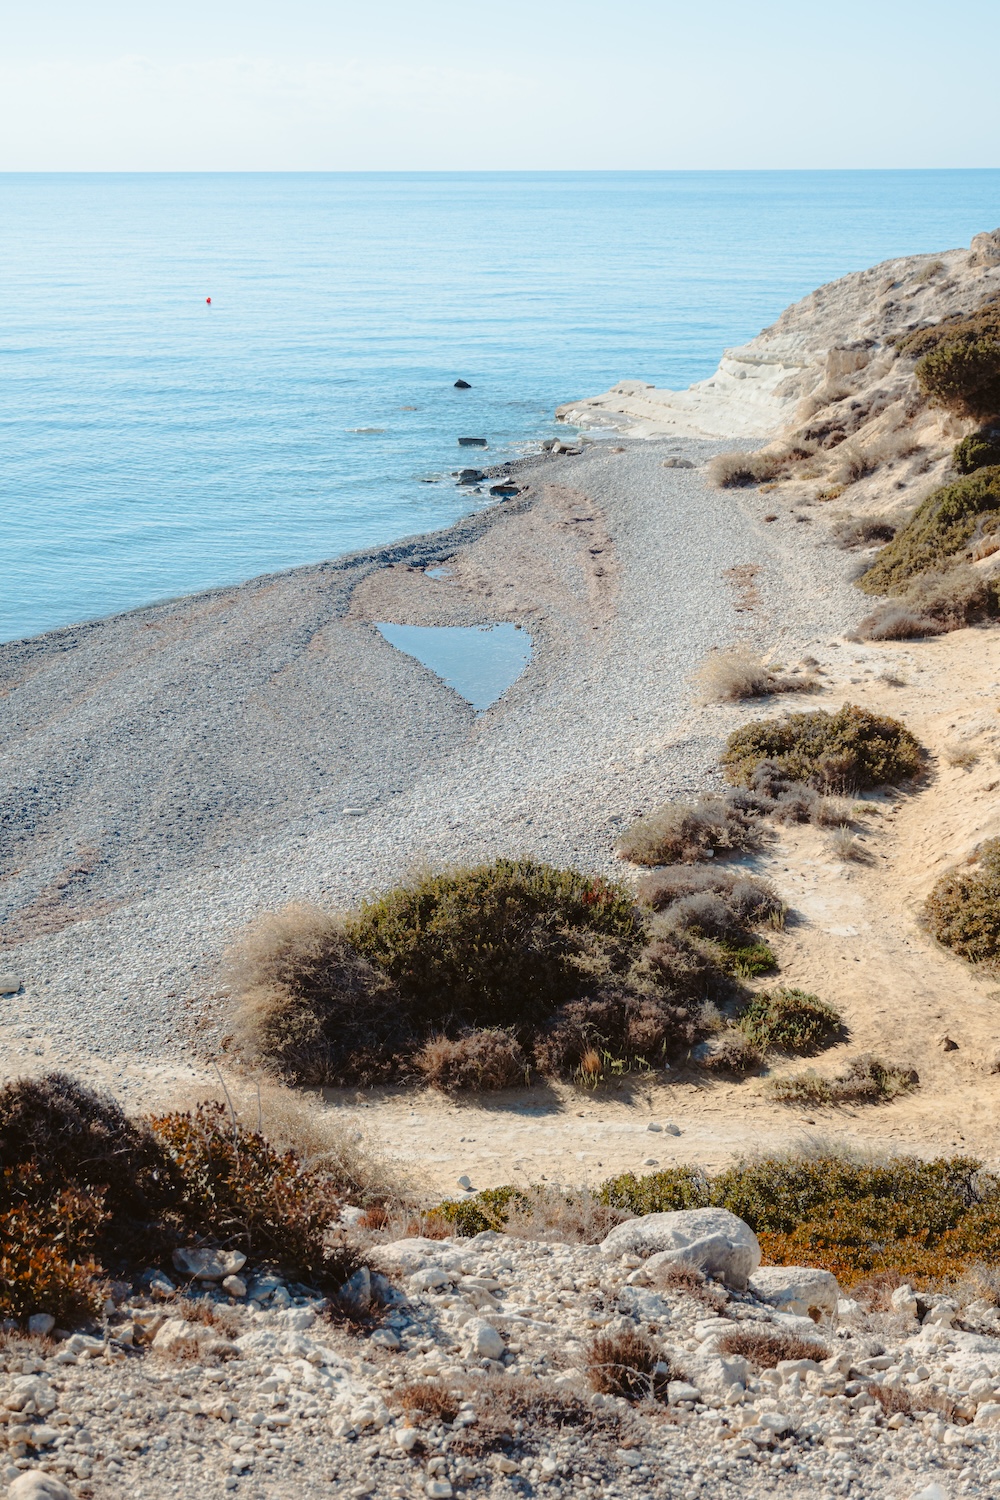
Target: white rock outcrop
[(712, 1240), (803, 1291)]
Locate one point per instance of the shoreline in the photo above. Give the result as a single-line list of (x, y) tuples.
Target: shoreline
[(181, 767)]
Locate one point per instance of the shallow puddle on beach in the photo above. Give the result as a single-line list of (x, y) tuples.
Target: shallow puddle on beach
[(479, 661)]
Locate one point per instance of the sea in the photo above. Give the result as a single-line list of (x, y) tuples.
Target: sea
[(206, 377)]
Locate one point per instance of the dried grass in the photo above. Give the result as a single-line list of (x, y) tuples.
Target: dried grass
[(624, 1364), (483, 1061), (765, 1351), (684, 832), (729, 676)]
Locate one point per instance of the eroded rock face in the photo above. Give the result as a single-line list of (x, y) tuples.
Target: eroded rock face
[(712, 1240), (801, 1290), (985, 249)]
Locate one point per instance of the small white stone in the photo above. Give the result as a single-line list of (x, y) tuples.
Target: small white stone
[(9, 983), (41, 1323), (465, 1182), (438, 1489), (234, 1285)]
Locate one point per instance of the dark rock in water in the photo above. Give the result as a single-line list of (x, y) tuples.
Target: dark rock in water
[(462, 385), (472, 443), (504, 489), (471, 476)]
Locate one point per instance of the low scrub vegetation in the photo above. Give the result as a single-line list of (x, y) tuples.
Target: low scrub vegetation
[(765, 1351), (946, 525), (738, 470), (89, 1192), (728, 676), (863, 531), (789, 1020), (846, 751), (963, 909), (958, 361), (467, 978), (481, 1060), (684, 832), (980, 450), (936, 602), (625, 1364), (865, 1080), (869, 1222)]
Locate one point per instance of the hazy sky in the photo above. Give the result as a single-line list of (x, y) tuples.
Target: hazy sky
[(456, 84)]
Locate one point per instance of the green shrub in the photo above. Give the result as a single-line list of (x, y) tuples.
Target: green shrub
[(963, 909), (940, 528), (746, 960), (659, 1193), (487, 1210), (958, 360), (496, 945), (789, 1020), (846, 751), (980, 450), (932, 604), (866, 1080)]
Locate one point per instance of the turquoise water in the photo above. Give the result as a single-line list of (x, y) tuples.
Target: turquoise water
[(479, 661), (151, 444)]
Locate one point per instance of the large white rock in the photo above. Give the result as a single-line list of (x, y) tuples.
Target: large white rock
[(483, 1340), (803, 1291), (34, 1485), (209, 1265), (712, 1240)]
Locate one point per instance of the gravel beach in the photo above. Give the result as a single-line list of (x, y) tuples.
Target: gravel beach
[(171, 772)]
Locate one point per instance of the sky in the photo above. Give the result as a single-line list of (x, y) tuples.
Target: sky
[(456, 85)]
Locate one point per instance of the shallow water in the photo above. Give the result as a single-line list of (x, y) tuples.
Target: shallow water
[(152, 444), (479, 661)]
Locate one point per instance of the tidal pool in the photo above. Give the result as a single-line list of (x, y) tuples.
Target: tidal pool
[(479, 661)]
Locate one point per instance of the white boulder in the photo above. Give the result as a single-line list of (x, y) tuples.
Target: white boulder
[(208, 1265), (35, 1485), (482, 1339), (802, 1291), (712, 1240)]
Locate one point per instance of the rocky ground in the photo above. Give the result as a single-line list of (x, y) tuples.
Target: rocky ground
[(267, 1397)]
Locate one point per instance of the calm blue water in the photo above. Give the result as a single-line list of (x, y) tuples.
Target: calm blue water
[(151, 444), (479, 661)]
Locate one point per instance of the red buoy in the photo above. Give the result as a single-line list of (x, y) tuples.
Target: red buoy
[(209, 301)]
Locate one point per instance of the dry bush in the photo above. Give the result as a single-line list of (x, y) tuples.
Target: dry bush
[(684, 832), (351, 1160), (765, 1350), (751, 901), (866, 1080), (311, 1006), (731, 1054), (863, 531), (844, 845), (851, 463), (846, 751), (520, 1412), (689, 1280), (905, 1400), (237, 1190), (623, 1364), (737, 470), (789, 1020), (484, 1060), (728, 676), (897, 622), (570, 1218), (963, 909), (935, 602), (426, 1402)]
